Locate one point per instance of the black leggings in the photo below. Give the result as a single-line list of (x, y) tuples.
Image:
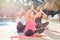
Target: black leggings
[(39, 30), (20, 27)]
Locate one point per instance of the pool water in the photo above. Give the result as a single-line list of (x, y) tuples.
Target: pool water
[(6, 22)]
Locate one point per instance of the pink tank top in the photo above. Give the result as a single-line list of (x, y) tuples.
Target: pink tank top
[(30, 25)]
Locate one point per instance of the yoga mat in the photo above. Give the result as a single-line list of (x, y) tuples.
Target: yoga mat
[(21, 37)]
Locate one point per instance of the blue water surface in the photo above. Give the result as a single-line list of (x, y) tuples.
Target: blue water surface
[(4, 22)]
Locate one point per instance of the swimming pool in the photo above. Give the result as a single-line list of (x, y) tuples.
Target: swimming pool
[(6, 22)]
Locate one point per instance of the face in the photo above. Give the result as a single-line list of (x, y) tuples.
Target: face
[(20, 14)]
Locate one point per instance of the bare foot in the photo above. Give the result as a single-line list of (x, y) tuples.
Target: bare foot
[(46, 28), (37, 35), (40, 35), (43, 34)]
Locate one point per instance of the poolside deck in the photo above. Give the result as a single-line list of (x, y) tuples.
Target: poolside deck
[(7, 31)]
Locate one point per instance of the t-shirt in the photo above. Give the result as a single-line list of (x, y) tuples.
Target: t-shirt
[(22, 20)]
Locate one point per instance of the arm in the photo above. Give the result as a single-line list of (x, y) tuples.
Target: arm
[(38, 14), (34, 10), (23, 10), (29, 11)]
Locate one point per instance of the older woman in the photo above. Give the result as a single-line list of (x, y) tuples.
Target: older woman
[(21, 22)]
